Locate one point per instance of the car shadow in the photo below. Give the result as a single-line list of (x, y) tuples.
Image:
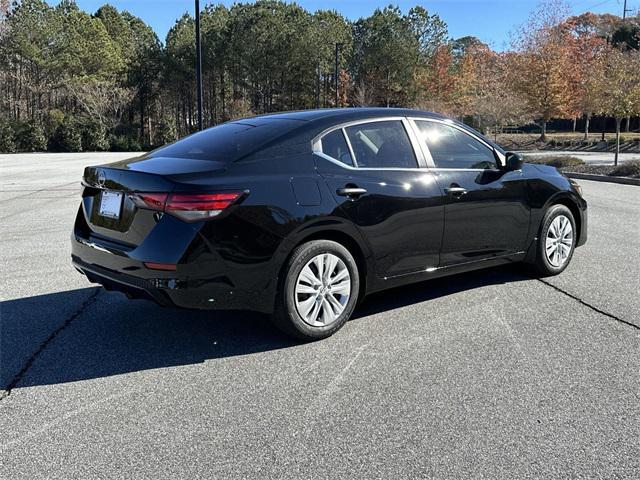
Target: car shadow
[(112, 335)]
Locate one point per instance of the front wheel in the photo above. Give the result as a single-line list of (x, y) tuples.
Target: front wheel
[(556, 241), (318, 292)]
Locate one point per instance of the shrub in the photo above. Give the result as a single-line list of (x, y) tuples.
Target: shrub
[(67, 137), (627, 138), (628, 169), (30, 137), (535, 159), (53, 120), (94, 137), (123, 143), (134, 145), (118, 143), (558, 161), (7, 138), (562, 162)]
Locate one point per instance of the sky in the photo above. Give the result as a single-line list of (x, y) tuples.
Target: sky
[(489, 20)]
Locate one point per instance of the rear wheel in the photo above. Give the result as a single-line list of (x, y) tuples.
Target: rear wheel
[(318, 291), (556, 241)]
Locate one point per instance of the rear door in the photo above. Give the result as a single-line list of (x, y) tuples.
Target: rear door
[(486, 212), (374, 172)]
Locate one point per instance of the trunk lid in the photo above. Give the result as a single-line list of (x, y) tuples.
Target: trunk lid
[(108, 198)]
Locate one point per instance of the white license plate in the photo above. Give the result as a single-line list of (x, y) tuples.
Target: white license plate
[(110, 204)]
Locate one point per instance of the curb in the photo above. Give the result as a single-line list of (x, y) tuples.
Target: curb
[(603, 178)]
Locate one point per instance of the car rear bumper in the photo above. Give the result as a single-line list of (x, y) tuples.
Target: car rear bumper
[(118, 271), (131, 286)]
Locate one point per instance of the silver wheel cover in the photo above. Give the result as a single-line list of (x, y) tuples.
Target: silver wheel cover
[(559, 241), (322, 290)]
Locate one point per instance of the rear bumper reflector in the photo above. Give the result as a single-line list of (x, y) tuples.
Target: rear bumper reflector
[(160, 266)]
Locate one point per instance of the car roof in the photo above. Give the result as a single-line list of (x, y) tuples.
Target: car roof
[(340, 115), (304, 125), (300, 127)]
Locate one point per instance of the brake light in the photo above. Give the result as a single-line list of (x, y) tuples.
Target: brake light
[(189, 207)]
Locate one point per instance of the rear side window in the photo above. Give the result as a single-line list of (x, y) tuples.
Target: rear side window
[(335, 145), (381, 145), (452, 148), (228, 141)]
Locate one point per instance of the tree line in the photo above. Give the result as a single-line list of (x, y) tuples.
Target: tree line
[(73, 81)]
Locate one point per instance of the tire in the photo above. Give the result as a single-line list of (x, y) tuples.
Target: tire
[(300, 295), (557, 224)]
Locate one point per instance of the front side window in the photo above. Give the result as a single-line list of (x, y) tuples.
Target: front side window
[(452, 148), (382, 144), (334, 145)]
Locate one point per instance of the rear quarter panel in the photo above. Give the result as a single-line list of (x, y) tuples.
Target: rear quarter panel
[(287, 202)]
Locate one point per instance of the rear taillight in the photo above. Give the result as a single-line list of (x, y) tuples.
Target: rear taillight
[(154, 201), (189, 207)]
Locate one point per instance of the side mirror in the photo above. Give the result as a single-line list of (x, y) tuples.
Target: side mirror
[(513, 161)]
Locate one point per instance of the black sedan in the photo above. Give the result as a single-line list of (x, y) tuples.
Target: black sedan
[(300, 215)]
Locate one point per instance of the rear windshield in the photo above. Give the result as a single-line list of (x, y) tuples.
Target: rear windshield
[(228, 141)]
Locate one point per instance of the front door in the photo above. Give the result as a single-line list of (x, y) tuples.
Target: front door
[(373, 172), (486, 212)]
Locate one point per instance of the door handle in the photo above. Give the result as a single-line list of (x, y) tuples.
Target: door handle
[(351, 191), (456, 191)]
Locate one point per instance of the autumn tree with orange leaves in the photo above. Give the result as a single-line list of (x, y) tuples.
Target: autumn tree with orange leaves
[(543, 70), (496, 104), (436, 82), (474, 73), (589, 48)]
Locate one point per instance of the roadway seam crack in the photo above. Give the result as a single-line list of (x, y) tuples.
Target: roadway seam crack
[(4, 393), (40, 190), (595, 309)]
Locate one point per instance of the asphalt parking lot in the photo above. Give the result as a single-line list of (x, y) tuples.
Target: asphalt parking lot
[(486, 375)]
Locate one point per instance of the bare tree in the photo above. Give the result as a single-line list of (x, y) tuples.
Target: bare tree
[(362, 95)]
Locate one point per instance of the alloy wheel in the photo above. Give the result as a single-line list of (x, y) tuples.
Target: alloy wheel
[(559, 241), (322, 290)]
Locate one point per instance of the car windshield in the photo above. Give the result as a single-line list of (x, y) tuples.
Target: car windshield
[(227, 142)]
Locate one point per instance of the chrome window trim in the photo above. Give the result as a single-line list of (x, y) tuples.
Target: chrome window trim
[(437, 169), (450, 123), (365, 169), (316, 144), (354, 160), (349, 124)]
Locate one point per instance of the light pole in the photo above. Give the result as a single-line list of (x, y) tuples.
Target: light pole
[(198, 65)]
